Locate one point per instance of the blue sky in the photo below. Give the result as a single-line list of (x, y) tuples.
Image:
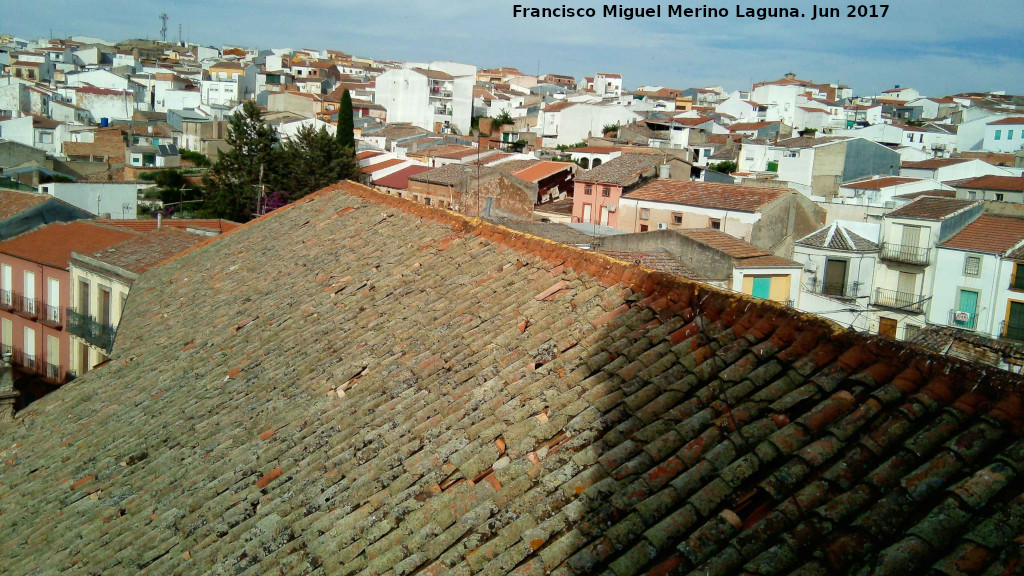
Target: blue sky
[(937, 46)]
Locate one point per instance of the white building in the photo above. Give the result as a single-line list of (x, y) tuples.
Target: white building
[(119, 200), (606, 84), (438, 98), (839, 265), (950, 169), (1005, 135), (881, 191)]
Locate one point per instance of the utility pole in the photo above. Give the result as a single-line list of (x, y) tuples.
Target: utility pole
[(179, 33)]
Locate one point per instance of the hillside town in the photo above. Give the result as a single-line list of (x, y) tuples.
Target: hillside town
[(563, 325)]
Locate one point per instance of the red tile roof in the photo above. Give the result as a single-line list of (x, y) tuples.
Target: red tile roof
[(879, 183), (99, 91), (381, 165), (1006, 183), (1008, 122), (542, 170), (148, 225), (451, 151), (725, 243), (594, 150), (932, 208), (770, 261), (709, 195), (141, 253), (558, 106), (818, 110), (988, 234), (12, 202), (367, 154), (750, 125), (933, 163), (689, 121), (400, 180), (52, 245)]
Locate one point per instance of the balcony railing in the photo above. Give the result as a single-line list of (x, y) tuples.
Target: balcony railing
[(964, 320), (442, 112), (91, 330), (52, 316), (25, 306), (905, 254), (896, 299), (852, 290), (1012, 331), (6, 300), (26, 361), (52, 372)]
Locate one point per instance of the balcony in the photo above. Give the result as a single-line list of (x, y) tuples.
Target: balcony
[(27, 362), (906, 254), (962, 320), (6, 300), (1011, 331), (25, 306), (52, 373), (850, 291), (91, 330), (53, 316), (899, 300)]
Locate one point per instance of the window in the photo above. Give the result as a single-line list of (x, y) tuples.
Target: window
[(715, 223), (645, 213), (971, 194), (1009, 134), (46, 137), (999, 134), (588, 189), (1018, 277), (606, 191), (677, 217), (972, 265), (999, 197)]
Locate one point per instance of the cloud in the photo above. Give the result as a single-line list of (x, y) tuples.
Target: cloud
[(938, 46)]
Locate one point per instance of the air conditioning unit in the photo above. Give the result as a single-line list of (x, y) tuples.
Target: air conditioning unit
[(662, 226)]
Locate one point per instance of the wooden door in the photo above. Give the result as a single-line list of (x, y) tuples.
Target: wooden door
[(887, 327)]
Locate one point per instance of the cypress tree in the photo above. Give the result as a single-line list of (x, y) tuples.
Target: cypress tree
[(346, 129)]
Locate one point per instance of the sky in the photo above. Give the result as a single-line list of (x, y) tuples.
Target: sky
[(939, 47)]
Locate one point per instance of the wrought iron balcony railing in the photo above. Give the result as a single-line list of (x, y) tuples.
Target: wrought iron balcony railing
[(896, 299), (91, 330), (964, 320), (905, 254)]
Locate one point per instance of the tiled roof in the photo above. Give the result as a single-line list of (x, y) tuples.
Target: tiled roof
[(367, 154), (1006, 183), (594, 150), (212, 224), (808, 141), (871, 183), (1008, 122), (440, 406), (936, 193), (836, 237), (400, 180), (13, 202), (814, 110), (542, 170), (725, 243), (769, 261), (434, 74), (988, 234), (141, 253), (932, 208), (553, 231), (451, 174), (558, 106), (689, 121), (750, 125), (382, 165), (468, 399), (708, 194), (659, 260), (620, 171), (933, 163), (53, 244), (452, 151)]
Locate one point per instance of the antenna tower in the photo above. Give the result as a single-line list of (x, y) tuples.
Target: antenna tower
[(163, 29)]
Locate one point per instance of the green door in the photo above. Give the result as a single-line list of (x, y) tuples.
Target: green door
[(1014, 328), (762, 288), (966, 308)]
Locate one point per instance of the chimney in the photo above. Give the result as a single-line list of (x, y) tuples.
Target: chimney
[(159, 219), (8, 395), (664, 171)]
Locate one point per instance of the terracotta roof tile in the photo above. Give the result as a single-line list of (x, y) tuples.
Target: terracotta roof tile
[(623, 170), (1017, 121), (988, 234), (382, 165), (13, 202), (770, 261), (879, 183), (148, 225), (542, 170), (141, 253), (1006, 183), (53, 244), (467, 398), (932, 208), (725, 243), (708, 194), (837, 237), (933, 163), (400, 180)]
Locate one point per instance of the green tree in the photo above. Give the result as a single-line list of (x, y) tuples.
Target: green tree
[(346, 128), (610, 130), (503, 118), (725, 166), (233, 184), (314, 159)]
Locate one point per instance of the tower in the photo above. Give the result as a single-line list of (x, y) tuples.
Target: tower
[(163, 29)]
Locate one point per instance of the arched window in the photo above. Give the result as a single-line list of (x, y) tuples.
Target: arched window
[(585, 162), (597, 162)]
